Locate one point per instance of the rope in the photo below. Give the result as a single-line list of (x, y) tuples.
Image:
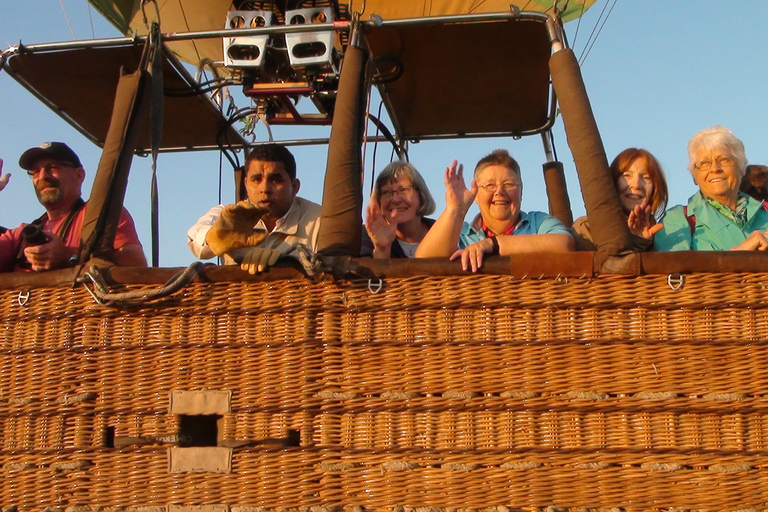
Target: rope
[(101, 294)]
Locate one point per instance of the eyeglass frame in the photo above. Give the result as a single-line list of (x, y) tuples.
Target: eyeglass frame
[(719, 162), (506, 186), (32, 173), (390, 194)]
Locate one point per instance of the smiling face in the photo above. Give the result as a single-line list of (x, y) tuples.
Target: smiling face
[(57, 183), (268, 184), (400, 200), (500, 192), (635, 185), (721, 180)]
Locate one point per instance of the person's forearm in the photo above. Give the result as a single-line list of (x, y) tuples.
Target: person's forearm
[(197, 233), (382, 253), (517, 244), (442, 239), (131, 255)]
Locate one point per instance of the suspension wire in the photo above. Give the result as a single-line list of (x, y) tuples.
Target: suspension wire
[(584, 57), (221, 153), (578, 23), (67, 17), (90, 18), (221, 174), (594, 29), (188, 27), (478, 4)]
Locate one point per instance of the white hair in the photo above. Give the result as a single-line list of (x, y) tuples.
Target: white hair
[(716, 137)]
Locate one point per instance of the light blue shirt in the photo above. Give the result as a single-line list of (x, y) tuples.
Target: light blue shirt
[(531, 223), (712, 231)]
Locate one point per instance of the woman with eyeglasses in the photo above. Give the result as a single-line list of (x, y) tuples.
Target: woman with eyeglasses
[(718, 217), (501, 227), (395, 221), (642, 190)]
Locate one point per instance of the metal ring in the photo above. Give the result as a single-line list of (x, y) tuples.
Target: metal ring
[(378, 286), (23, 297), (676, 281)]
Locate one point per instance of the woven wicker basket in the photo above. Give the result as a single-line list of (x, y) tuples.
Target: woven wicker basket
[(456, 392)]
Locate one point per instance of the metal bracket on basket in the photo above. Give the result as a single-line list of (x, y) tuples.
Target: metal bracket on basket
[(375, 287), (23, 297), (676, 281)]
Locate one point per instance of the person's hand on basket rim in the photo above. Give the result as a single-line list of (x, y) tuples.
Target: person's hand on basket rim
[(260, 259)]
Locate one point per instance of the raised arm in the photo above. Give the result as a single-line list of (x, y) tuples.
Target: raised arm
[(442, 239), (381, 230), (3, 177), (641, 222)]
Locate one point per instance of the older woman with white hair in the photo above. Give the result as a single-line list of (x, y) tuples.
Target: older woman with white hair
[(718, 217), (395, 221)]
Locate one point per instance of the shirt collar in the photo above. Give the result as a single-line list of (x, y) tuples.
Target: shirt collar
[(479, 225), (288, 223)]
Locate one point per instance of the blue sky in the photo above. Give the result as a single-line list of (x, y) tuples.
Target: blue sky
[(659, 71)]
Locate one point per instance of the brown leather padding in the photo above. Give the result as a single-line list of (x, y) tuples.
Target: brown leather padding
[(102, 213), (79, 85), (503, 85), (684, 262), (606, 218), (534, 266), (341, 225), (557, 192)]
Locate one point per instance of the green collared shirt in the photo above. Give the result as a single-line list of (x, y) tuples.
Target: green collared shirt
[(712, 230)]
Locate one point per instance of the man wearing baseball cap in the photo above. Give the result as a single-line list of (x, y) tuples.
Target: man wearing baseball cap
[(51, 241)]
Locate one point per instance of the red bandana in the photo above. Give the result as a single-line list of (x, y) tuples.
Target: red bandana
[(489, 233)]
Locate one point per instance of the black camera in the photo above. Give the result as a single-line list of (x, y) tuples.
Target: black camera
[(33, 234)]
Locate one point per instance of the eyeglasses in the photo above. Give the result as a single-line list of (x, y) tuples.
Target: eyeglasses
[(401, 192), (50, 168), (721, 161), (507, 186)]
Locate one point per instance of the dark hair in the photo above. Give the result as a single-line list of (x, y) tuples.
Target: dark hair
[(399, 169), (273, 153), (624, 160), (498, 157)]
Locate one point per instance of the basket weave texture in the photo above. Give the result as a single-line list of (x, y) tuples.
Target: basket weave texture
[(437, 393)]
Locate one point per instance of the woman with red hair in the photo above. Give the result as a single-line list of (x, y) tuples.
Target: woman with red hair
[(642, 190)]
